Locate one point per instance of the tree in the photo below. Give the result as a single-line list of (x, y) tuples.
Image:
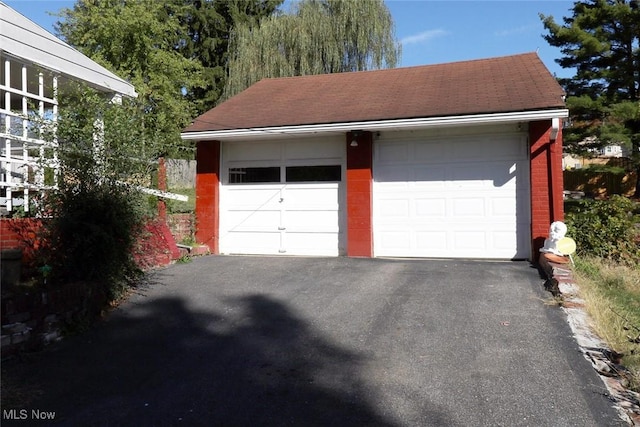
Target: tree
[(601, 40), (319, 36), (138, 40), (95, 213), (208, 25), (173, 51)]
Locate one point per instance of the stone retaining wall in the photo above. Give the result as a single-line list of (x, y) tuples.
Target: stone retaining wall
[(33, 317)]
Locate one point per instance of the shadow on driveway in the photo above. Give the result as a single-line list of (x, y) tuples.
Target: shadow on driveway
[(259, 341), (162, 363)]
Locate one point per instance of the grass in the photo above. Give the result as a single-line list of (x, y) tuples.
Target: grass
[(176, 206), (612, 299)]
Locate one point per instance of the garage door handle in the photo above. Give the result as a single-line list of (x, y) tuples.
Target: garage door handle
[(282, 228)]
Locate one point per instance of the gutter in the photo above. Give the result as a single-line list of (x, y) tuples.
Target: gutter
[(378, 125)]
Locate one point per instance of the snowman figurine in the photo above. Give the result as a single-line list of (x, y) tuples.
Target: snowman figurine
[(557, 231)]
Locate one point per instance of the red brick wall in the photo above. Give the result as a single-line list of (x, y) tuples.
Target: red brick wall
[(208, 194), (359, 195), (9, 239), (546, 182), (19, 234), (181, 226), (157, 246)]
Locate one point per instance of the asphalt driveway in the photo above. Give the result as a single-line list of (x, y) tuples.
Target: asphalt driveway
[(251, 341)]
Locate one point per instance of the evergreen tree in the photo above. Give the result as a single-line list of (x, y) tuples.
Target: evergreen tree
[(601, 40), (319, 36), (208, 24)]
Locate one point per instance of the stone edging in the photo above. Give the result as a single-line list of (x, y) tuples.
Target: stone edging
[(561, 283)]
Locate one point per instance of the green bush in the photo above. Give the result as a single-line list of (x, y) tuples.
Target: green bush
[(91, 235), (605, 228), (96, 213)]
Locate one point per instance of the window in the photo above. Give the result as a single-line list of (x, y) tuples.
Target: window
[(313, 173), (271, 174), (254, 175)]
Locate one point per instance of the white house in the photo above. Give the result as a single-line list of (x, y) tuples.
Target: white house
[(612, 150), (35, 65)]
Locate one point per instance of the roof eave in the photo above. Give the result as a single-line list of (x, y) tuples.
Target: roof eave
[(28, 42), (378, 125)]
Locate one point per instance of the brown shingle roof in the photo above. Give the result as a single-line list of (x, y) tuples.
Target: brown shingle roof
[(496, 85)]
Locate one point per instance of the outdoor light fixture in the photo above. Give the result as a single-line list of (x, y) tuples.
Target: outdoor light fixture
[(354, 137), (555, 128)]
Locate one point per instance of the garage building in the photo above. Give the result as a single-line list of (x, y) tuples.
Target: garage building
[(457, 160)]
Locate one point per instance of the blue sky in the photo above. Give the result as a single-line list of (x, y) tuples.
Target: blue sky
[(432, 31)]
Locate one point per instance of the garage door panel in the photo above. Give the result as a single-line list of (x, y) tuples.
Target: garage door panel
[(394, 153), (401, 176), (453, 175), (426, 154), (504, 240), (312, 195), (432, 185), (326, 221), (466, 239), (251, 242), (504, 207), (519, 173), (397, 187), (296, 212), (394, 208), (392, 175), (252, 219), (431, 208), (252, 197), (427, 176), (468, 199), (467, 176), (487, 175), (431, 241), (251, 152), (395, 239), (312, 243), (304, 150), (465, 150), (468, 207), (506, 149), (473, 176), (437, 243), (471, 148)]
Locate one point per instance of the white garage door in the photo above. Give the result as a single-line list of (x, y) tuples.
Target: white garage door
[(458, 197), (282, 197)]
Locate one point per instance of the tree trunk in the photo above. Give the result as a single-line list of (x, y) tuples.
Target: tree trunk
[(635, 154), (636, 193)]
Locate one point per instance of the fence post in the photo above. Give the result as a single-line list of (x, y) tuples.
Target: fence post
[(162, 186)]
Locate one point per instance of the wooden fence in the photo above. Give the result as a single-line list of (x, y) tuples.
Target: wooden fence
[(181, 173), (600, 184)]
